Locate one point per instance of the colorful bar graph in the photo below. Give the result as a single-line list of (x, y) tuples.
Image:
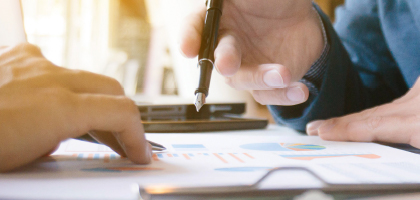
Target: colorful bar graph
[(223, 157), (220, 157), (249, 156), (155, 157), (121, 169), (236, 157), (186, 156)]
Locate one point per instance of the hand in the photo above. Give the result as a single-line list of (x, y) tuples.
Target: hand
[(264, 46), (396, 122), (42, 104)]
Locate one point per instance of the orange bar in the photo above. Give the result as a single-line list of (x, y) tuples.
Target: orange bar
[(90, 156), (186, 156), (74, 155), (155, 158), (370, 156), (236, 157), (169, 155), (249, 155), (220, 157), (106, 158)]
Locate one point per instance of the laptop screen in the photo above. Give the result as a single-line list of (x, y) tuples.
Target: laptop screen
[(11, 23)]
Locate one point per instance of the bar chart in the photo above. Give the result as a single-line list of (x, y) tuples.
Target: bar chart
[(217, 157)]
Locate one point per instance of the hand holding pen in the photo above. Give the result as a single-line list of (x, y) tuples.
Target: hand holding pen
[(206, 54), (265, 47)]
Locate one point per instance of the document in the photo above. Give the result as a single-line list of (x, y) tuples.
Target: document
[(80, 168)]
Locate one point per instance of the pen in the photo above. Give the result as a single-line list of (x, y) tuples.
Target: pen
[(206, 54), (88, 138)]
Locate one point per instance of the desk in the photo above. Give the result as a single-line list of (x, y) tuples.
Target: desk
[(69, 178)]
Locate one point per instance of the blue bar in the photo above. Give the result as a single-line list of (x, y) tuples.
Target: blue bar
[(80, 156), (220, 153), (190, 154), (160, 155), (189, 146), (113, 156), (96, 156), (175, 155), (206, 154)]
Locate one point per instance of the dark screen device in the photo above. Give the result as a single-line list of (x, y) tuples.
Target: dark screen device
[(219, 123), (176, 118)]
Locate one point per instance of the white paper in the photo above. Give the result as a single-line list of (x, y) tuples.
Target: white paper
[(88, 171)]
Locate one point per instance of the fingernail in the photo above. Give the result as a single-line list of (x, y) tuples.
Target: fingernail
[(295, 94), (273, 78), (181, 52), (312, 128), (326, 127)]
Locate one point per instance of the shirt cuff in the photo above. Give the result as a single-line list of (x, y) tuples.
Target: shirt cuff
[(313, 78)]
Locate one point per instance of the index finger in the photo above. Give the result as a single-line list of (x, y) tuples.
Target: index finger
[(117, 114)]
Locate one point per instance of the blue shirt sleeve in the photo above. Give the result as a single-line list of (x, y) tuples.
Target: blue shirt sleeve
[(358, 70)]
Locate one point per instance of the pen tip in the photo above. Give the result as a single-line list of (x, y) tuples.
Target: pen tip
[(200, 100)]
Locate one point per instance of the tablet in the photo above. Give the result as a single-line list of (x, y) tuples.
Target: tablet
[(179, 124), (178, 117)]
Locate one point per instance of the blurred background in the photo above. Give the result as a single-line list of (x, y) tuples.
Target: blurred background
[(134, 41)]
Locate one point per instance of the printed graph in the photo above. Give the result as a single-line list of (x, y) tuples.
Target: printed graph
[(219, 157), (282, 147), (105, 157), (121, 169), (314, 156), (81, 150)]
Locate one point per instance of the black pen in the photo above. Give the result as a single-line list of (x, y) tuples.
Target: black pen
[(206, 54)]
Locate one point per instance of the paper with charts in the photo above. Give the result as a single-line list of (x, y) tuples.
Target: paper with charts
[(222, 155), (217, 159)]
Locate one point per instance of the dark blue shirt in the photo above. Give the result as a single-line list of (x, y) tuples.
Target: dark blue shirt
[(374, 57)]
